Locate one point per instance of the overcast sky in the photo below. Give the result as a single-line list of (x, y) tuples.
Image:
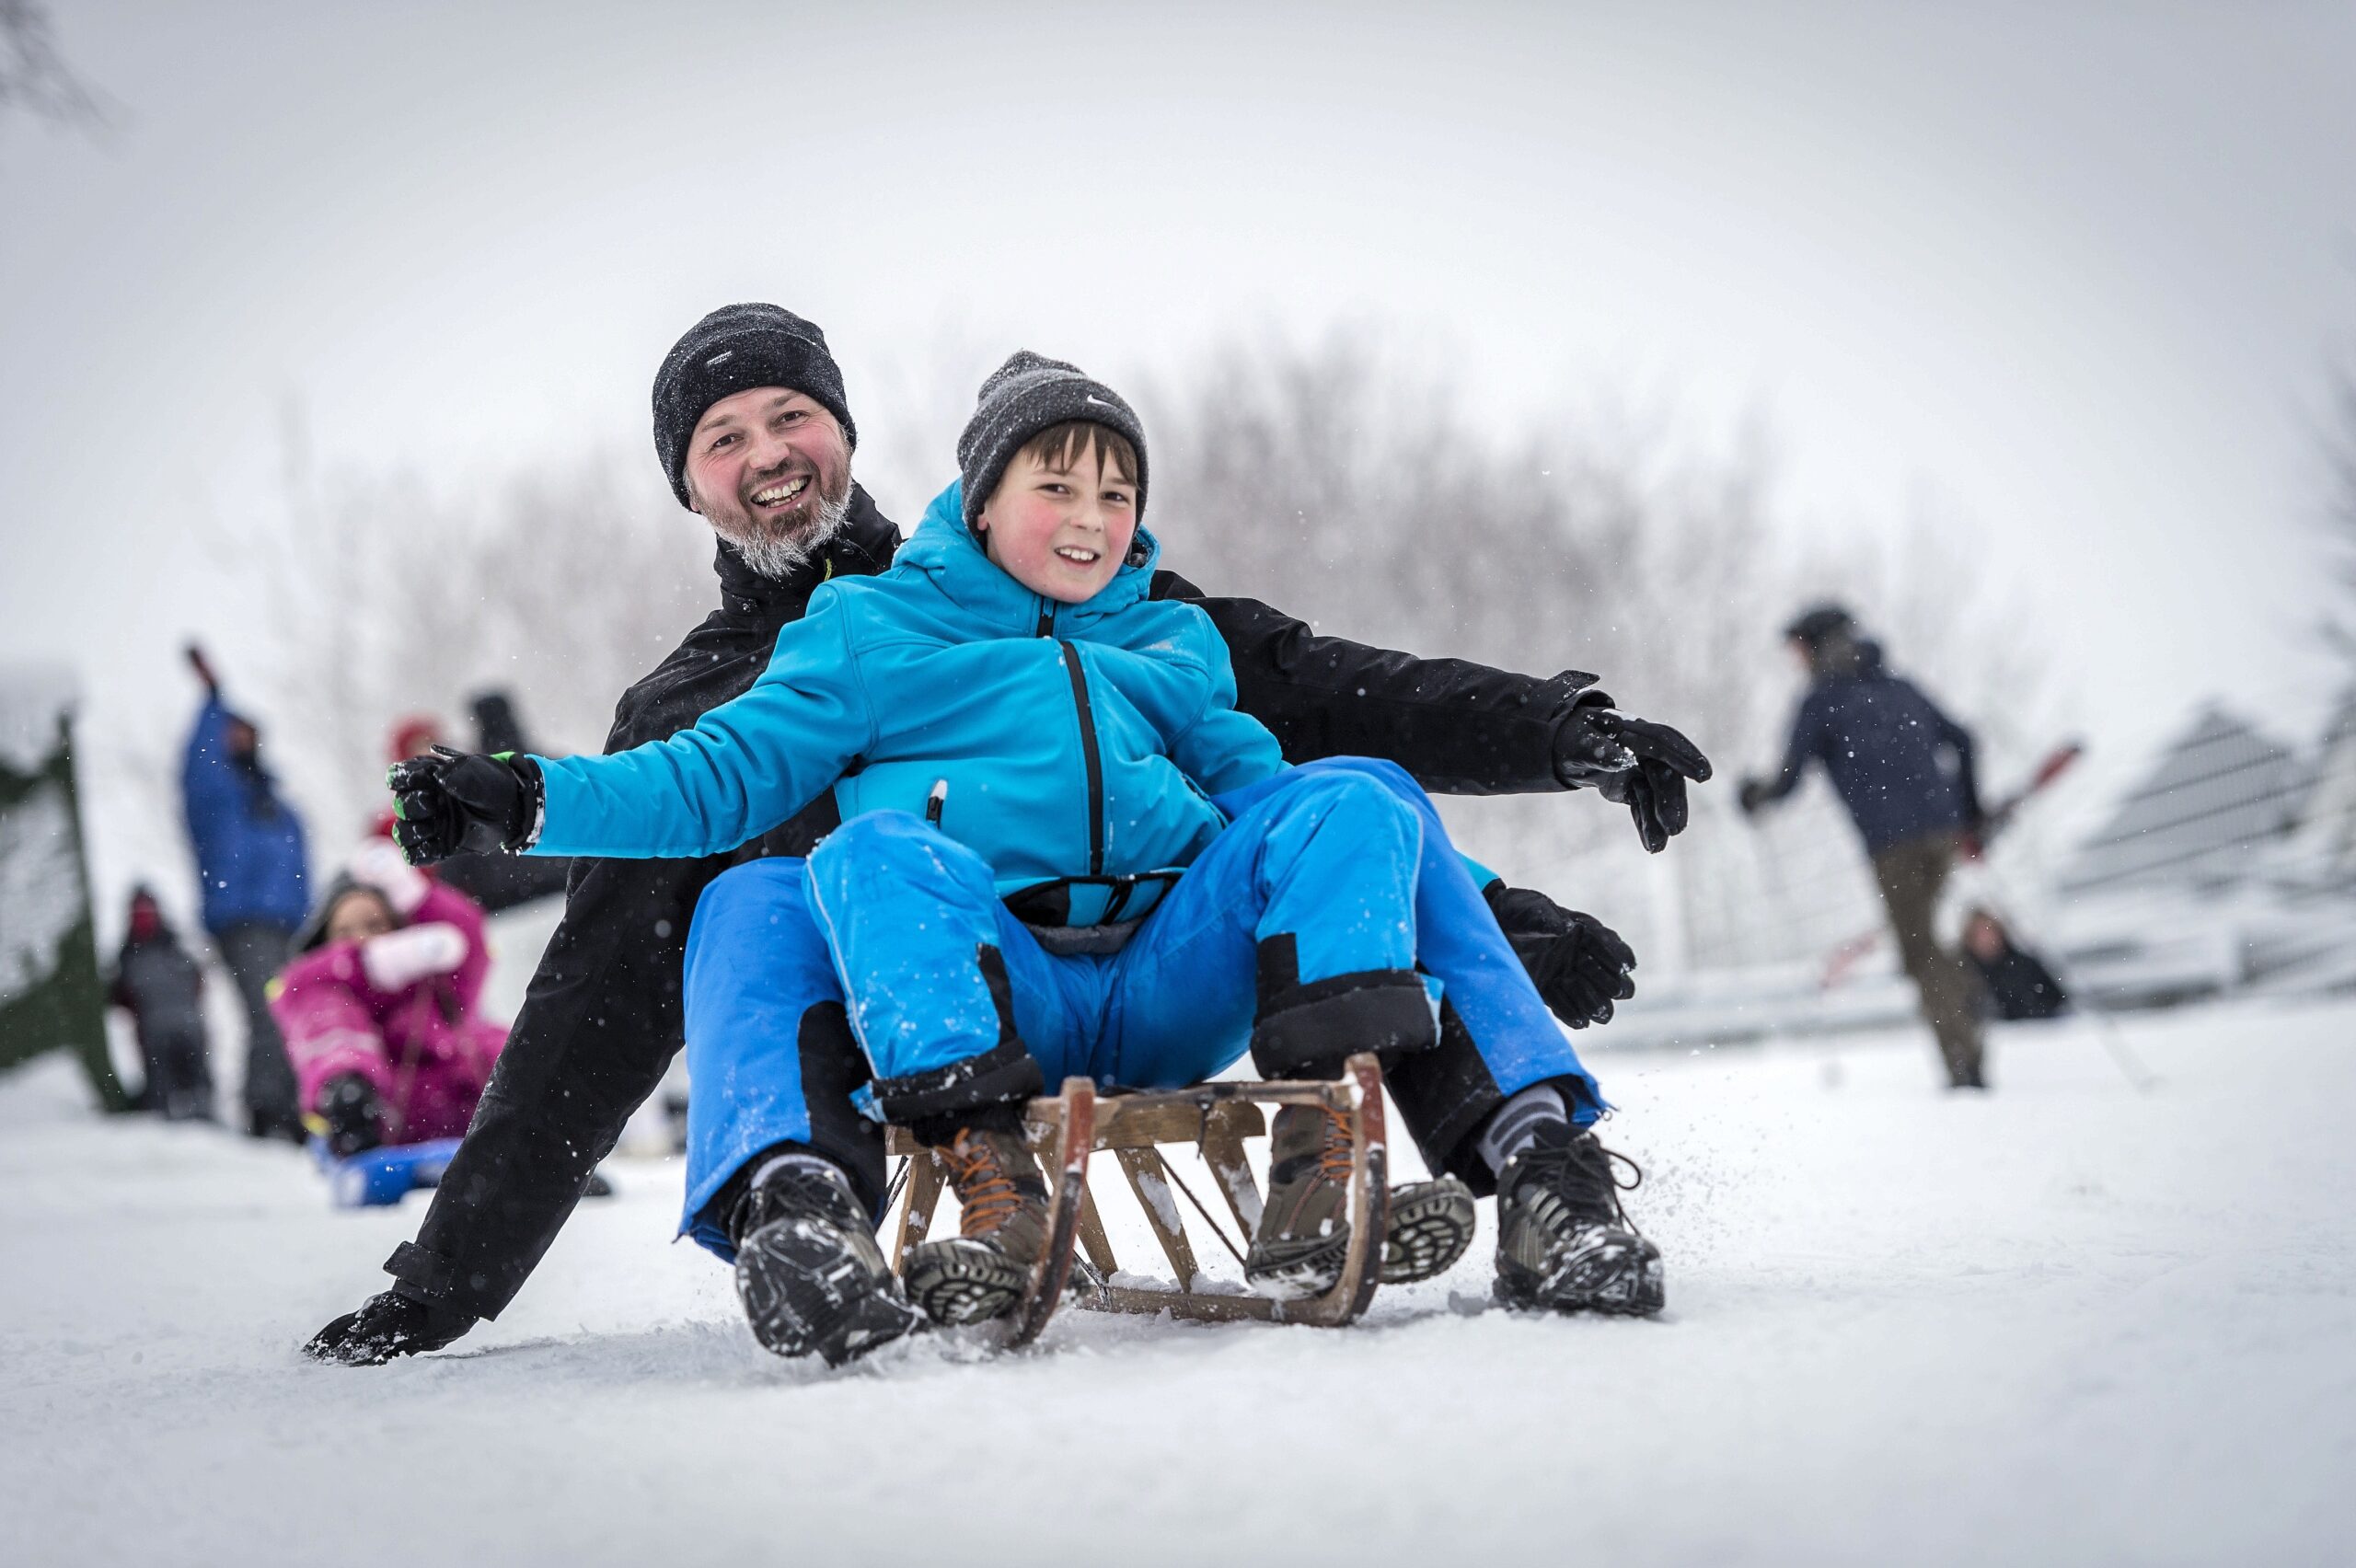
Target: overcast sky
[(2067, 276)]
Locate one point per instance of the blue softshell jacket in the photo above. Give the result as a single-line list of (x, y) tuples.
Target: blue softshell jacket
[(1901, 766), (249, 854), (1071, 746)]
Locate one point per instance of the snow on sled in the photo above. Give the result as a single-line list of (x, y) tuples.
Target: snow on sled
[(383, 1175), (1215, 1119)]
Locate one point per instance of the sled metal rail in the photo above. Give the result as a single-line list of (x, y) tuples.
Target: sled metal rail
[(1215, 1119)]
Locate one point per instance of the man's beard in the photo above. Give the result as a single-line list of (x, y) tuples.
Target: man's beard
[(777, 553)]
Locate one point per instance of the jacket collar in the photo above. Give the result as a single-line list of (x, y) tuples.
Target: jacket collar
[(861, 548), (945, 549)]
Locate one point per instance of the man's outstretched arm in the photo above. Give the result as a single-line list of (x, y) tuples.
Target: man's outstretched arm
[(1461, 728), (598, 1028)]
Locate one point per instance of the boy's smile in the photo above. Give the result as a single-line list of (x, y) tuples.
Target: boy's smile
[(1061, 531)]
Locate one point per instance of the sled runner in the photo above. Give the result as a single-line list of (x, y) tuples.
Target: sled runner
[(383, 1175), (1215, 1119)]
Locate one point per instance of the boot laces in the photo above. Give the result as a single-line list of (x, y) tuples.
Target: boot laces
[(985, 1187), (1582, 1167), (1334, 1156)]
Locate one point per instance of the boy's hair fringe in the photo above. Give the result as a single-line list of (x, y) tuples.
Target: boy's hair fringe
[(1061, 446)]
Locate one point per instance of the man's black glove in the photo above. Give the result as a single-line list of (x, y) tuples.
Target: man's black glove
[(1754, 794), (1578, 963), (386, 1325), (446, 804), (1632, 762)]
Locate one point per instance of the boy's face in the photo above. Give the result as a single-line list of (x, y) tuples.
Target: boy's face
[(1061, 531)]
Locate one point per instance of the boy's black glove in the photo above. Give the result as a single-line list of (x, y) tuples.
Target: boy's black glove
[(388, 1325), (445, 804), (1633, 762), (1578, 963)]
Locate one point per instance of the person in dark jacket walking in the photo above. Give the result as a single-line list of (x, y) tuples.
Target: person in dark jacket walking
[(2014, 984), (603, 1017), (249, 866), (161, 985), (1904, 770)]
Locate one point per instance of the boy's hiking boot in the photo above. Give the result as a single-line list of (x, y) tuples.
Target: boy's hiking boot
[(983, 1271), (808, 1271), (1562, 1240), (1305, 1225)]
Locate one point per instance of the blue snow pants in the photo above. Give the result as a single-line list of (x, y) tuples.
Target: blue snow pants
[(1344, 862)]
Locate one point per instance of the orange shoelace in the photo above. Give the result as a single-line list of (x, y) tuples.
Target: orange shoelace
[(1334, 1153), (985, 1187)]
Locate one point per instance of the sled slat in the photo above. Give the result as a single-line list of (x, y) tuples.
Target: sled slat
[(1149, 1180)]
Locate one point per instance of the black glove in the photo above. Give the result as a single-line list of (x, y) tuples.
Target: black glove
[(446, 804), (1632, 762), (1754, 794), (386, 1325), (1578, 963), (347, 1115)]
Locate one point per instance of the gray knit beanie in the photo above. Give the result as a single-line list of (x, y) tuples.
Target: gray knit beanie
[(1026, 394), (736, 349)]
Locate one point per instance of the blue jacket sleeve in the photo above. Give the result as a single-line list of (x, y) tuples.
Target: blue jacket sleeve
[(208, 788), (745, 767), (1224, 748), (1806, 725)]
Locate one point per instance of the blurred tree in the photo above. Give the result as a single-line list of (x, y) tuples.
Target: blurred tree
[(34, 77), (2340, 452)]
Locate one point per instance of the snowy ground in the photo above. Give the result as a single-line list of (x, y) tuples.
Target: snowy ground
[(2065, 1324)]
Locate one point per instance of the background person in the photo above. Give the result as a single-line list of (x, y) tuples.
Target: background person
[(161, 985), (253, 885), (1904, 770)]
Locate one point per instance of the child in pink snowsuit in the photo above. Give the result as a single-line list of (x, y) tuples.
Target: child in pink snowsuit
[(378, 1009)]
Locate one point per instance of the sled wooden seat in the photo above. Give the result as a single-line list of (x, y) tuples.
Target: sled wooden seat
[(1213, 1118)]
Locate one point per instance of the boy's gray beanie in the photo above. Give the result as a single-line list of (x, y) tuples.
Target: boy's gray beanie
[(1026, 394)]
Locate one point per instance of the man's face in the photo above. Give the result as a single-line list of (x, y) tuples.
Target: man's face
[(770, 470), (1985, 939), (1061, 531)]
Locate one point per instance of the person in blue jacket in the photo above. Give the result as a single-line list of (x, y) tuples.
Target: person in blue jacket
[(1905, 772), (254, 895), (1064, 852)]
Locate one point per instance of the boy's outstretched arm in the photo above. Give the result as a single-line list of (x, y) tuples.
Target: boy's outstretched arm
[(740, 770), (1459, 728)]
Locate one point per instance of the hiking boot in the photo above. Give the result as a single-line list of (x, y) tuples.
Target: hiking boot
[(983, 1271), (1564, 1242), (808, 1271), (1304, 1231)]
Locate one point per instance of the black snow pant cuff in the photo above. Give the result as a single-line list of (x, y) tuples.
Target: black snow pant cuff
[(1308, 1030), (985, 1091), (1446, 1096)]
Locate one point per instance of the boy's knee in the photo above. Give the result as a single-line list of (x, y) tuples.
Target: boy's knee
[(1380, 771), (762, 901)]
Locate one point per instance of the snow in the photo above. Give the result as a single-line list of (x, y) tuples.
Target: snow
[(2067, 1324)]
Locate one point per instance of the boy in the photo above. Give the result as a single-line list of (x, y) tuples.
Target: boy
[(1064, 852)]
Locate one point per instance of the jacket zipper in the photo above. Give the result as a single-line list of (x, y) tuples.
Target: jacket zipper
[(1089, 752)]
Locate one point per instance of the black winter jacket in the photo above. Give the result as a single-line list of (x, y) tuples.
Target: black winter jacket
[(602, 1019)]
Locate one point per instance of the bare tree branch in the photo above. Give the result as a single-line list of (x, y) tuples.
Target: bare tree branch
[(35, 78)]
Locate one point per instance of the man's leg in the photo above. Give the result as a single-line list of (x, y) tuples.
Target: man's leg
[(254, 951), (770, 1055), (1910, 876), (785, 1179)]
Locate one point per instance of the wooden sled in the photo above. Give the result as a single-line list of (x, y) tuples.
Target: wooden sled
[(1215, 1118)]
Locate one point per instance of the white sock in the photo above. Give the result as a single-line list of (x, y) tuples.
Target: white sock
[(1512, 1126)]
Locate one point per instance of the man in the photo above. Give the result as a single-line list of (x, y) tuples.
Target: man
[(1904, 770), (249, 866), (755, 434)]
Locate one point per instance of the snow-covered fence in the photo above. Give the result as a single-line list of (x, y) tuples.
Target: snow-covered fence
[(49, 996)]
